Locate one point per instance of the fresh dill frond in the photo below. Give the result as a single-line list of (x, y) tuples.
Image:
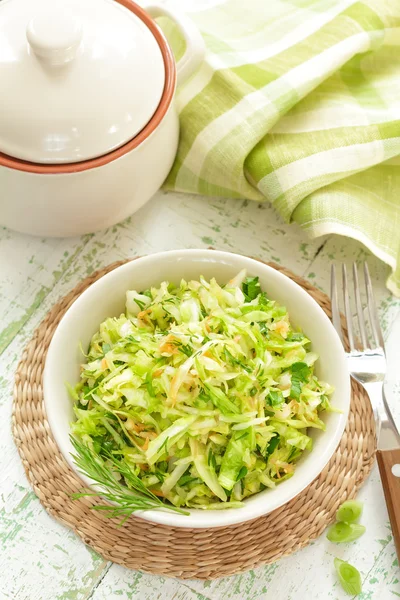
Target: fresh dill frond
[(125, 498)]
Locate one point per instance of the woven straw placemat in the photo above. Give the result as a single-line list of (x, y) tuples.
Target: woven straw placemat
[(178, 552)]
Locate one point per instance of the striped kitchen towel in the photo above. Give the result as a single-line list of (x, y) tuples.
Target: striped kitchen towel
[(298, 103)]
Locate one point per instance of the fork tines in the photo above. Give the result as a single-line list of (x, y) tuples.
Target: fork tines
[(376, 332)]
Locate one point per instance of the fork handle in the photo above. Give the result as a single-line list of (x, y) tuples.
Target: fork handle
[(391, 487)]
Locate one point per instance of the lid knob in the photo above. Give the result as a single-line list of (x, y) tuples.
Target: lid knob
[(54, 37)]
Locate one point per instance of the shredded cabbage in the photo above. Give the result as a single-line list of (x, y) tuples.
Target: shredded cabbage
[(205, 392)]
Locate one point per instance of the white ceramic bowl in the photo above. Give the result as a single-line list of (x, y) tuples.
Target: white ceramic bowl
[(106, 298)]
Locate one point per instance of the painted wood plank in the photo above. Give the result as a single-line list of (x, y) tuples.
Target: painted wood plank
[(130, 585), (31, 567), (29, 269)]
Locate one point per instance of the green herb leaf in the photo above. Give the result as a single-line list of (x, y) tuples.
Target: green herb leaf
[(295, 337), (263, 299), (264, 328), (127, 498), (295, 389), (301, 371), (349, 577), (341, 533), (274, 398), (251, 288), (186, 349), (350, 511), (140, 304), (242, 473), (273, 443), (234, 361), (300, 374)]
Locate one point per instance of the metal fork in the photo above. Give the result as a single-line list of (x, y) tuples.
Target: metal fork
[(367, 365)]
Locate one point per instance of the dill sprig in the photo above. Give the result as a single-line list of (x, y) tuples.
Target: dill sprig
[(126, 499)]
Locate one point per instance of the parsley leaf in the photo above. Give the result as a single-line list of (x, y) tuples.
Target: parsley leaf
[(301, 370), (300, 374), (295, 389), (251, 288), (274, 398), (273, 444), (263, 300)]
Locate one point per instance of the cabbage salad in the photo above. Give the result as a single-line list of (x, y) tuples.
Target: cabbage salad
[(205, 393)]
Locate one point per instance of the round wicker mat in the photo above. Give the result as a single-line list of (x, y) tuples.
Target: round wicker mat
[(177, 552)]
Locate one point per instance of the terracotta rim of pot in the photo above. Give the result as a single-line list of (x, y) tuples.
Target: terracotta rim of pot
[(165, 102)]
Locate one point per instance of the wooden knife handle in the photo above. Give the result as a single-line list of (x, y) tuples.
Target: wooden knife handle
[(391, 486)]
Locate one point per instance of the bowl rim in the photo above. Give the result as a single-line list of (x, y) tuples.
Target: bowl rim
[(215, 518), (17, 164)]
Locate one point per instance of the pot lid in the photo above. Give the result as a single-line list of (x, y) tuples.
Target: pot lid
[(79, 78)]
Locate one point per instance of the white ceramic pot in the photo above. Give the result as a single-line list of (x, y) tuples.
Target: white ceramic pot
[(88, 126), (106, 298)]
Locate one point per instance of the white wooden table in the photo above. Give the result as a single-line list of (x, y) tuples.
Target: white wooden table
[(40, 559)]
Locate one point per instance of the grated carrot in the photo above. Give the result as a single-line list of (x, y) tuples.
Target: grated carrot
[(168, 348), (143, 313)]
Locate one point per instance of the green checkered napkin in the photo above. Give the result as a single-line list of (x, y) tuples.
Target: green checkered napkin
[(298, 103)]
